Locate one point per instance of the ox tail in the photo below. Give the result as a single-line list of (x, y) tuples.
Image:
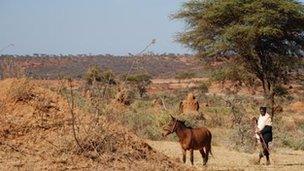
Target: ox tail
[(211, 145), (211, 151)]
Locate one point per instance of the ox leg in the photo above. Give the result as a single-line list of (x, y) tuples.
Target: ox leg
[(202, 151), (208, 150), (184, 155), (191, 156)]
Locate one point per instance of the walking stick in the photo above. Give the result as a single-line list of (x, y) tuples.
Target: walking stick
[(263, 142), (260, 136)]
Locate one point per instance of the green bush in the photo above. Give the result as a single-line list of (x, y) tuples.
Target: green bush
[(301, 127), (94, 74), (141, 82), (193, 121), (242, 137), (146, 125), (292, 142)]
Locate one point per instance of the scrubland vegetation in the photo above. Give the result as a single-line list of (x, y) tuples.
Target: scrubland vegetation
[(103, 112), (104, 102)]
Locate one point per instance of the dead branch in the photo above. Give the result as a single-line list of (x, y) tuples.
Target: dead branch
[(72, 106)]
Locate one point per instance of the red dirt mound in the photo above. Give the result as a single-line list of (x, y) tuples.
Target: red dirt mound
[(36, 133), (297, 107)]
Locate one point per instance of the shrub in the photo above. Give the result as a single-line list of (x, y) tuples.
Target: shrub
[(292, 142), (21, 91), (243, 131), (203, 88), (280, 91), (301, 127), (143, 124), (9, 68), (242, 137), (193, 120), (141, 82), (93, 74), (108, 77)]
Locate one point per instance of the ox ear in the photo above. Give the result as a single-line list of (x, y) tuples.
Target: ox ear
[(172, 117)]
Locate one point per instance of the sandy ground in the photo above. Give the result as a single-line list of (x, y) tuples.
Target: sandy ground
[(225, 159)]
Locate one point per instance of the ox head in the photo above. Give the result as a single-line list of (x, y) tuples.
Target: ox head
[(171, 126)]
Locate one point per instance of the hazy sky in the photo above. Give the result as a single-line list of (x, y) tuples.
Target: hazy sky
[(88, 26)]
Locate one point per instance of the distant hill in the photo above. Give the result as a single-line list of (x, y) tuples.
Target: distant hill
[(51, 67)]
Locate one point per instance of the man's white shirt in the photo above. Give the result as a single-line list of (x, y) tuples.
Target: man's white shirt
[(263, 121)]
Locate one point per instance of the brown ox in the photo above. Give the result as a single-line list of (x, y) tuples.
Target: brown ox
[(191, 138)]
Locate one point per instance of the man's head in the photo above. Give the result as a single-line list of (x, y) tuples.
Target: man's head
[(263, 110)]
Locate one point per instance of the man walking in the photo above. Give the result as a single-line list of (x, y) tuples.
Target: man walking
[(264, 133)]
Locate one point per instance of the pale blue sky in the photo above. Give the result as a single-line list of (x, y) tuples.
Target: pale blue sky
[(88, 26)]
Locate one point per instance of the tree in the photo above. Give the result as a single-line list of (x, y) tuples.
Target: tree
[(266, 36), (236, 74), (141, 81)]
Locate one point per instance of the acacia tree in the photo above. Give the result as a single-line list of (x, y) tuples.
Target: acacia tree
[(266, 36)]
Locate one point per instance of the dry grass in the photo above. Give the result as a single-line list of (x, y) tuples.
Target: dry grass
[(297, 107), (225, 159)]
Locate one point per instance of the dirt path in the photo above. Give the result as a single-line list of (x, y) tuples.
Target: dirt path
[(225, 159)]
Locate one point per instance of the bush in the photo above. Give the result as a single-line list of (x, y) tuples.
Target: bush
[(289, 134), (93, 74), (243, 128), (21, 91), (280, 91), (9, 68), (141, 82), (242, 137), (203, 88), (216, 120), (143, 124), (301, 127), (108, 77), (193, 121), (292, 142)]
